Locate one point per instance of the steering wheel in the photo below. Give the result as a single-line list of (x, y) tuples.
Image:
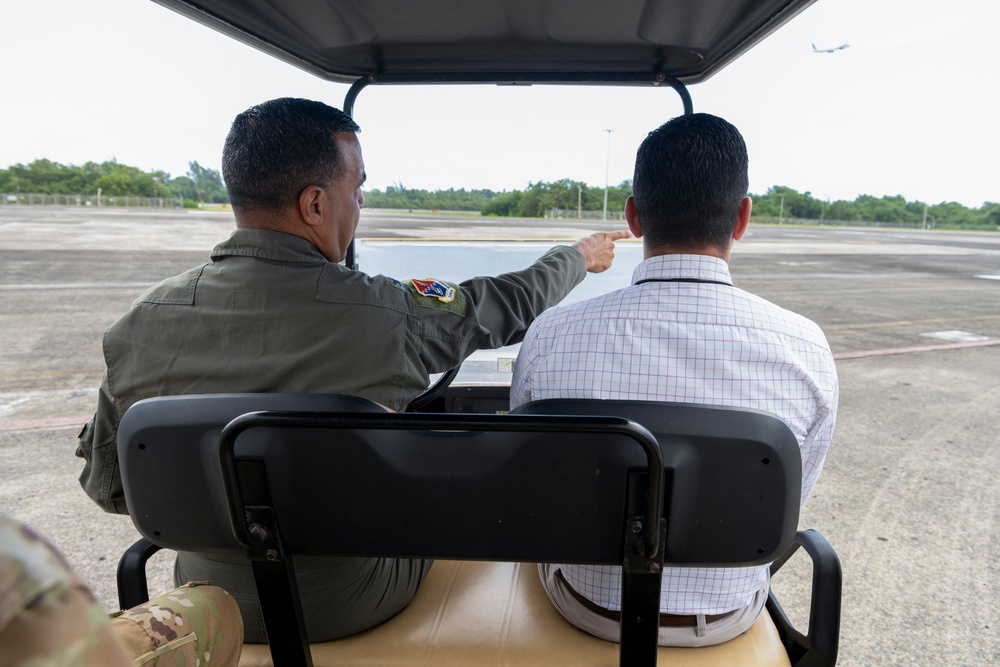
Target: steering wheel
[(433, 391)]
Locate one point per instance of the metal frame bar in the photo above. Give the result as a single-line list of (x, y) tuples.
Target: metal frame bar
[(433, 422), (820, 644), (255, 526), (511, 79), (521, 78)]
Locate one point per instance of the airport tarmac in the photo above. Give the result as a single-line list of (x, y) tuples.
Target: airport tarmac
[(908, 496)]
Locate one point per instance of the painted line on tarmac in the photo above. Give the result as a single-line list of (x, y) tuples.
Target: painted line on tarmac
[(36, 424), (921, 348), (898, 323), (446, 239), (57, 286)]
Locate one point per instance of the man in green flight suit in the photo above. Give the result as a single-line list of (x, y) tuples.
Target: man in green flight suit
[(274, 311)]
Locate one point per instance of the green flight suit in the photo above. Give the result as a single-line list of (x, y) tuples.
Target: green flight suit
[(269, 313)]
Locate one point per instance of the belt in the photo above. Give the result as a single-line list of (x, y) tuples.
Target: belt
[(666, 620)]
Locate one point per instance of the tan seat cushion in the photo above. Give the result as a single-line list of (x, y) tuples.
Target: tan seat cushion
[(476, 613)]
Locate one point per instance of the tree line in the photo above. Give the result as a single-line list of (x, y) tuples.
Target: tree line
[(399, 197), (779, 203), (783, 202), (200, 185), (537, 200)]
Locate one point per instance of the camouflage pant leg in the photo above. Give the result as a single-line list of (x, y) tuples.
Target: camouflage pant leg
[(48, 616), (196, 624), (61, 625)]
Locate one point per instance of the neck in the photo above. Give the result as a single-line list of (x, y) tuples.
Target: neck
[(649, 251), (273, 221)]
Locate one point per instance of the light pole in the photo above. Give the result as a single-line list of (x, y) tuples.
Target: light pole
[(607, 167)]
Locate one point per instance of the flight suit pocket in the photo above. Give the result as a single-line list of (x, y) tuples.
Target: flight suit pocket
[(85, 444)]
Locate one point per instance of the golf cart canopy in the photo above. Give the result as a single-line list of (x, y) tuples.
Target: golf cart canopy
[(621, 42)]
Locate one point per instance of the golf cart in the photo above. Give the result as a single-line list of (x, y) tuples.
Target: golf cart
[(455, 477)]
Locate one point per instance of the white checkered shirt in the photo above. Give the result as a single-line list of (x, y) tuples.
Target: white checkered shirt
[(693, 342)]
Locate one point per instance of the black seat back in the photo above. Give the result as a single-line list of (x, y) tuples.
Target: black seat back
[(561, 481), (363, 482), (734, 482), (168, 455), (732, 476)]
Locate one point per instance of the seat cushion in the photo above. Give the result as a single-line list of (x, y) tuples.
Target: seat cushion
[(472, 613)]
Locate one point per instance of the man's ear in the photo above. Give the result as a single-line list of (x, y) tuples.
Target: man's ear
[(632, 217), (311, 203), (742, 218)]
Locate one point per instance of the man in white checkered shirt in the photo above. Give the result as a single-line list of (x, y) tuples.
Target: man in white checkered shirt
[(682, 332)]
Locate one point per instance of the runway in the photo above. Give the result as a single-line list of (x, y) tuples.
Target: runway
[(908, 497)]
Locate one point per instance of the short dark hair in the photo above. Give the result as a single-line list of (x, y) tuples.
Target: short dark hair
[(276, 149), (690, 178)]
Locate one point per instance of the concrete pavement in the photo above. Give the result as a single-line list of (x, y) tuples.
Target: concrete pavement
[(908, 496)]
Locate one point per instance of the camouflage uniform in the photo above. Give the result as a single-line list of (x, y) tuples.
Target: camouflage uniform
[(48, 616)]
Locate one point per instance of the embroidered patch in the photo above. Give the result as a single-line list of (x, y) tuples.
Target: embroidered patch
[(438, 289), (437, 295)]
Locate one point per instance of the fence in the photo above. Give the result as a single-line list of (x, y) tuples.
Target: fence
[(571, 214), (22, 199), (773, 220), (574, 214)]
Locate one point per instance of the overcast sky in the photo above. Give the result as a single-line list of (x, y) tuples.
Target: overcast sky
[(911, 108)]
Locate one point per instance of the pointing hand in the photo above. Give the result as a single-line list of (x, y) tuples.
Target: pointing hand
[(598, 249)]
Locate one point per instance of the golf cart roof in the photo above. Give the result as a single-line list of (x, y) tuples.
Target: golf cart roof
[(639, 42)]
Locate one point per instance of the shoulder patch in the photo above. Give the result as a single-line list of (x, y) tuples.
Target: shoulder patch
[(437, 289), (438, 294)]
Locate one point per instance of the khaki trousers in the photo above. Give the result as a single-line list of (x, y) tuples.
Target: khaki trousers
[(693, 631)]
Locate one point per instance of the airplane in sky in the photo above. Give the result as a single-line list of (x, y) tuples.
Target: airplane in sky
[(836, 48)]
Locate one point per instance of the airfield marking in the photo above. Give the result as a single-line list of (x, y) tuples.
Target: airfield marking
[(34, 424), (921, 348), (59, 286), (442, 239), (894, 323), (20, 375)]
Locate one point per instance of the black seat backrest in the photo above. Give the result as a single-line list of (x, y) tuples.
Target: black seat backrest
[(736, 475), (167, 452), (545, 495), (560, 481), (404, 484)]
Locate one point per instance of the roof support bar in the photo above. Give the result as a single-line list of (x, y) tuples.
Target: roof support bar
[(521, 78), (510, 79)]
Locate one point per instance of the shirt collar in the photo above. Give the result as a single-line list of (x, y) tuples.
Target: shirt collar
[(698, 267), (266, 244)]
